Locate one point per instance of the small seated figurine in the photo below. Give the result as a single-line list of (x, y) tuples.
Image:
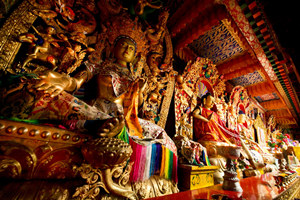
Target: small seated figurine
[(43, 52)]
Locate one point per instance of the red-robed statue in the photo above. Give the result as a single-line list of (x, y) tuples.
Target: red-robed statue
[(208, 126)]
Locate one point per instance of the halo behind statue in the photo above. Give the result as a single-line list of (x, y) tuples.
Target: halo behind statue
[(204, 86)]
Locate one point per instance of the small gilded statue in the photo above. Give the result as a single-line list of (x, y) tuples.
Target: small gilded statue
[(44, 51)]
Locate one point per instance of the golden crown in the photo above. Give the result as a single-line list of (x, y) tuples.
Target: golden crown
[(123, 25)]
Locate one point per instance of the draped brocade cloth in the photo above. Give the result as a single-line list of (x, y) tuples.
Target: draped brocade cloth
[(214, 130), (154, 152)]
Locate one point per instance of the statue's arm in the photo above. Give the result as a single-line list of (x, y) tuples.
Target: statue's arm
[(53, 83), (197, 114)]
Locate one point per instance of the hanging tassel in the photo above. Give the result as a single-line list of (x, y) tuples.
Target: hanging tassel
[(170, 167), (142, 162), (163, 159), (205, 158), (135, 157), (174, 169), (153, 160), (148, 162), (123, 135), (158, 159), (167, 162)]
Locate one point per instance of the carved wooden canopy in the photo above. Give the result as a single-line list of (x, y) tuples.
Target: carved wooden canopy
[(237, 36)]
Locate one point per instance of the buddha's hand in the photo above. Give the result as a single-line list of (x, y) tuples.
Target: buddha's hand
[(53, 83), (112, 126)]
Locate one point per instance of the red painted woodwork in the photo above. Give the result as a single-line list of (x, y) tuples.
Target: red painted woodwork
[(254, 188)]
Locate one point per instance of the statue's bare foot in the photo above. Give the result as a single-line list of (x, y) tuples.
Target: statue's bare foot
[(112, 126)]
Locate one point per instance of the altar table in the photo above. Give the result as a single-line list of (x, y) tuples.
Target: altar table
[(254, 188)]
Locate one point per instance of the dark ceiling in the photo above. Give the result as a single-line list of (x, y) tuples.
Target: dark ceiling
[(284, 17)]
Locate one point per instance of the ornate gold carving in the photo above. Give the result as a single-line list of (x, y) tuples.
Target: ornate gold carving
[(38, 156), (106, 152), (163, 186), (9, 168), (94, 179), (108, 158), (158, 69), (19, 22), (53, 151), (123, 25), (154, 187), (290, 193), (45, 133), (259, 124), (164, 111), (201, 73), (20, 153)]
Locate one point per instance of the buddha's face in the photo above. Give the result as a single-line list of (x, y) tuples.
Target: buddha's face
[(124, 51), (242, 118), (209, 101)]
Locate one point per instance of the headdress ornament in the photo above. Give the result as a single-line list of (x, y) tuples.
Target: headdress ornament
[(123, 26)]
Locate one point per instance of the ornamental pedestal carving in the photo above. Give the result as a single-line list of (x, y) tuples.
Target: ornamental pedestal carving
[(107, 158), (41, 152)]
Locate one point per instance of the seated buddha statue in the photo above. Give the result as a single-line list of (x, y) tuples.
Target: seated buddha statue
[(252, 150), (208, 126), (114, 110), (211, 131)]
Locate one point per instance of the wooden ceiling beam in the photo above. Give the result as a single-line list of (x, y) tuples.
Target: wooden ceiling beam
[(273, 104), (185, 15), (281, 113), (198, 26), (236, 63), (286, 121), (260, 89), (240, 72)]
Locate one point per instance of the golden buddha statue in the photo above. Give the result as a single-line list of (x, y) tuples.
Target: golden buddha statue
[(116, 85), (113, 112), (115, 106), (242, 125)]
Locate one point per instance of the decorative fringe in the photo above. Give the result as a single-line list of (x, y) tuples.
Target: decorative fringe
[(149, 160), (205, 158), (201, 159)]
